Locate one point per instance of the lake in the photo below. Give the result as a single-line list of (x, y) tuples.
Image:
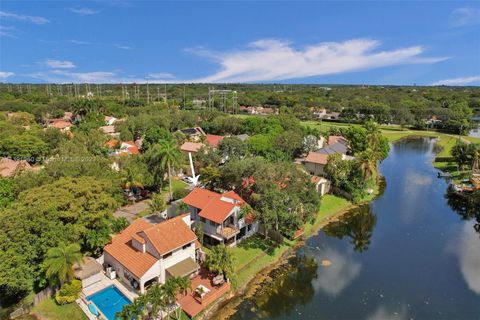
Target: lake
[(407, 255)]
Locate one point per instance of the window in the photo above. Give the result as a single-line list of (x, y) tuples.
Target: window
[(167, 255), (212, 223), (203, 219), (186, 246)]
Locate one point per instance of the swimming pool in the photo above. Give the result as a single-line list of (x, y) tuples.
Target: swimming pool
[(110, 301)]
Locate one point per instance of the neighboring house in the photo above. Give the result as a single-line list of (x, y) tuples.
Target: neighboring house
[(61, 124), (322, 185), (220, 216), (9, 167), (213, 140), (110, 130), (316, 160), (125, 148), (315, 163), (193, 134), (109, 121), (192, 147), (336, 144), (319, 114), (144, 254)]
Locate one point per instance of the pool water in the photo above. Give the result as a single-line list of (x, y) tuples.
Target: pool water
[(110, 301)]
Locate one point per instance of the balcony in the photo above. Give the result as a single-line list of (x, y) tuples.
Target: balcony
[(229, 231)]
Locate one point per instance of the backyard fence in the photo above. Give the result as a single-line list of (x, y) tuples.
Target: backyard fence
[(272, 234), (43, 295)]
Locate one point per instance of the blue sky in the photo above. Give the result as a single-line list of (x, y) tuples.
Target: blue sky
[(355, 42)]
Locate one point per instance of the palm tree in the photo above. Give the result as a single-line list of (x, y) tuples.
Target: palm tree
[(170, 156), (170, 288), (183, 284), (156, 299), (60, 260), (368, 163)]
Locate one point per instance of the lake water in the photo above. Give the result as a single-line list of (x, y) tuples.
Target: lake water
[(407, 255)]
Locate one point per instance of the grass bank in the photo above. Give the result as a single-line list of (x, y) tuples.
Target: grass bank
[(255, 254)]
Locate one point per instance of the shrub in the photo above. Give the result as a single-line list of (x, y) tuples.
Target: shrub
[(180, 193), (69, 292)]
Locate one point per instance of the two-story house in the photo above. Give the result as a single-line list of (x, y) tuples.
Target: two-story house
[(221, 216), (145, 253)]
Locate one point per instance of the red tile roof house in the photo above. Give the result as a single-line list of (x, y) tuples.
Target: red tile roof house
[(315, 163), (214, 140), (144, 254), (220, 217), (61, 124)]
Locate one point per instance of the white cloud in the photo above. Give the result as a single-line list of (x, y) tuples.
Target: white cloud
[(22, 17), (119, 46), (83, 11), (469, 257), (334, 279), (160, 75), (6, 74), (272, 60), (7, 32), (465, 16), (458, 81), (64, 76), (59, 64), (80, 42), (382, 313)]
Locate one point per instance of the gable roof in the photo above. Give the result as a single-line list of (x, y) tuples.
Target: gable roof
[(121, 249), (214, 140), (213, 206), (170, 235), (191, 146), (336, 139), (199, 198), (316, 157), (164, 237), (9, 166), (337, 147)]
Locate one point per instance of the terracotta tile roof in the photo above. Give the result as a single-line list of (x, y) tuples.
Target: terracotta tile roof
[(191, 146), (199, 198), (59, 123), (165, 237), (318, 158), (120, 249), (129, 148), (170, 235), (214, 140), (112, 143), (335, 139), (217, 211), (8, 167), (213, 206), (108, 129)]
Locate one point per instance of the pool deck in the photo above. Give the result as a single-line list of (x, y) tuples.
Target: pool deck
[(104, 282), (191, 302)]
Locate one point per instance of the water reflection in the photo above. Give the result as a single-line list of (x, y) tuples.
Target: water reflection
[(290, 288), (334, 278), (467, 205), (358, 226), (469, 258)]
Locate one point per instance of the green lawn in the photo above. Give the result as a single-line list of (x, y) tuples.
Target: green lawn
[(48, 309)]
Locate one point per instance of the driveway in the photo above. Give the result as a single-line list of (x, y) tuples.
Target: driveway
[(131, 211)]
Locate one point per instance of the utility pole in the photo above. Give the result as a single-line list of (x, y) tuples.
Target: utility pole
[(184, 101), (148, 94)]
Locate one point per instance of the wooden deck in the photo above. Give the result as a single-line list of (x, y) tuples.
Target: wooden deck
[(191, 302)]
